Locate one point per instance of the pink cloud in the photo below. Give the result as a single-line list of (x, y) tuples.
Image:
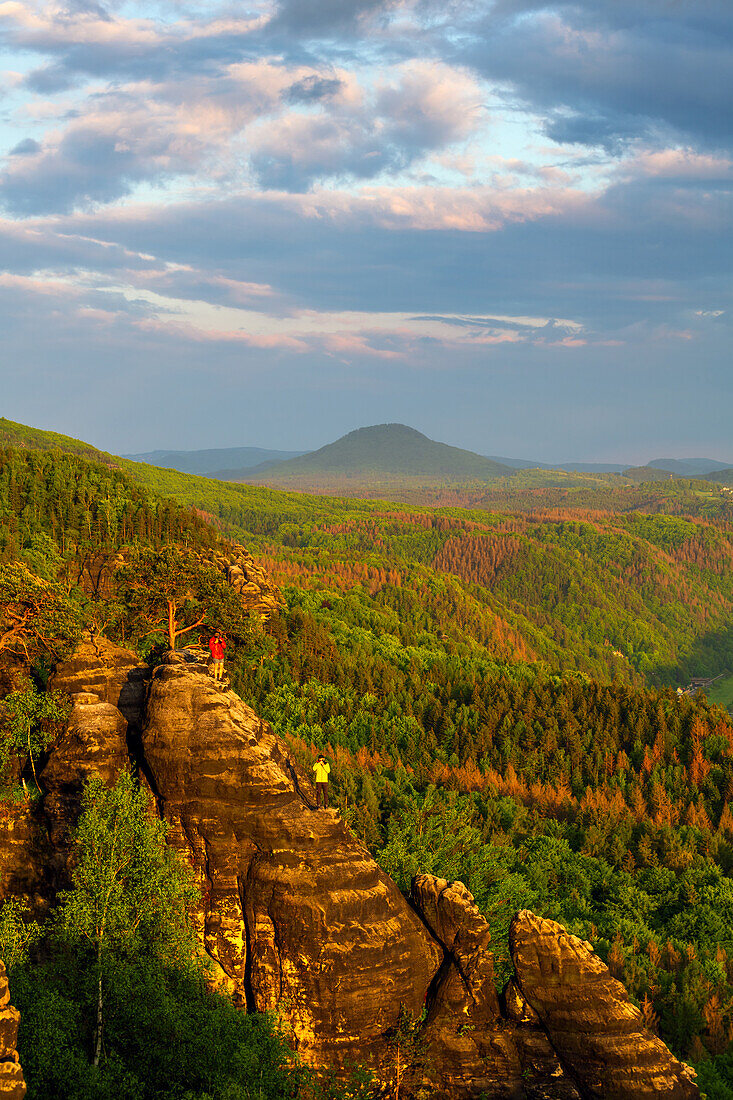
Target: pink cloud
[(473, 209), (265, 341), (682, 164), (356, 344)]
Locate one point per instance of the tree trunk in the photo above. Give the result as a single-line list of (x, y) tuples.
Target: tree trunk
[(171, 625), (98, 1036), (30, 754)]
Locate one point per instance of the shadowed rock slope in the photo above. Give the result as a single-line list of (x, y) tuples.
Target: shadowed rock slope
[(298, 918)]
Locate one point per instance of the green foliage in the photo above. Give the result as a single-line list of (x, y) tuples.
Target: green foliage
[(21, 435), (37, 617), (166, 1038), (172, 591), (82, 507), (128, 887), (18, 933), (30, 721)]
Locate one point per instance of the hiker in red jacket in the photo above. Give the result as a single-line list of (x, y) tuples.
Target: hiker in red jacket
[(217, 645)]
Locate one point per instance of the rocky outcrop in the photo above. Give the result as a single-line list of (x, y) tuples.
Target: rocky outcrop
[(295, 913), (113, 674), (597, 1032), (93, 743), (299, 920), (22, 857), (12, 1084), (107, 686), (249, 580), (473, 1048)]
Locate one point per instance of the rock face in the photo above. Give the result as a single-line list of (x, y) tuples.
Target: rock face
[(597, 1032), (107, 686), (94, 743), (295, 913), (21, 845), (12, 1085)]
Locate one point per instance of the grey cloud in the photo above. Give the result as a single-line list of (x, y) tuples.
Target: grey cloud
[(51, 78), (630, 258), (615, 71), (25, 147), (88, 167), (312, 89), (325, 17)]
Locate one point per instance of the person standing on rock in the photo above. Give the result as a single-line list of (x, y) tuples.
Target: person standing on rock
[(217, 645), (321, 769)]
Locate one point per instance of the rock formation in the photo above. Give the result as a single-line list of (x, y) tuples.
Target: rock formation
[(248, 580), (297, 918), (597, 1032), (472, 1046), (113, 674), (295, 913), (12, 1085)]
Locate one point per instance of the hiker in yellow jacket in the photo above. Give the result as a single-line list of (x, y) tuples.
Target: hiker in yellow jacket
[(321, 769)]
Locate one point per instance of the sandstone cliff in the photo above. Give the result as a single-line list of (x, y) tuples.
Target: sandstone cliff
[(12, 1085), (297, 917)]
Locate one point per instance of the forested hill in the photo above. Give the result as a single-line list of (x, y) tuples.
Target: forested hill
[(387, 449), (52, 499), (20, 435), (628, 596)]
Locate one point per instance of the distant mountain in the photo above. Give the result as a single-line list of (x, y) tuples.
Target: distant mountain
[(388, 450), (216, 462), (723, 477), (689, 467), (572, 467)]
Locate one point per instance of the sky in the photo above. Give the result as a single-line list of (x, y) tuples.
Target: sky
[(506, 223)]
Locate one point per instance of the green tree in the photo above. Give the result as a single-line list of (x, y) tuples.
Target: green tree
[(173, 591), (17, 934), (36, 616), (30, 721), (130, 892)]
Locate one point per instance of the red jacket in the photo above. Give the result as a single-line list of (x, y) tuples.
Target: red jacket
[(217, 648)]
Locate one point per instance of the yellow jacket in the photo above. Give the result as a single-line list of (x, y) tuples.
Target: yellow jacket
[(321, 771)]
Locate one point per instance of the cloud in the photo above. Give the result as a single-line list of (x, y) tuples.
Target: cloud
[(312, 89), (315, 18), (23, 148), (602, 74), (424, 106), (142, 132)]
